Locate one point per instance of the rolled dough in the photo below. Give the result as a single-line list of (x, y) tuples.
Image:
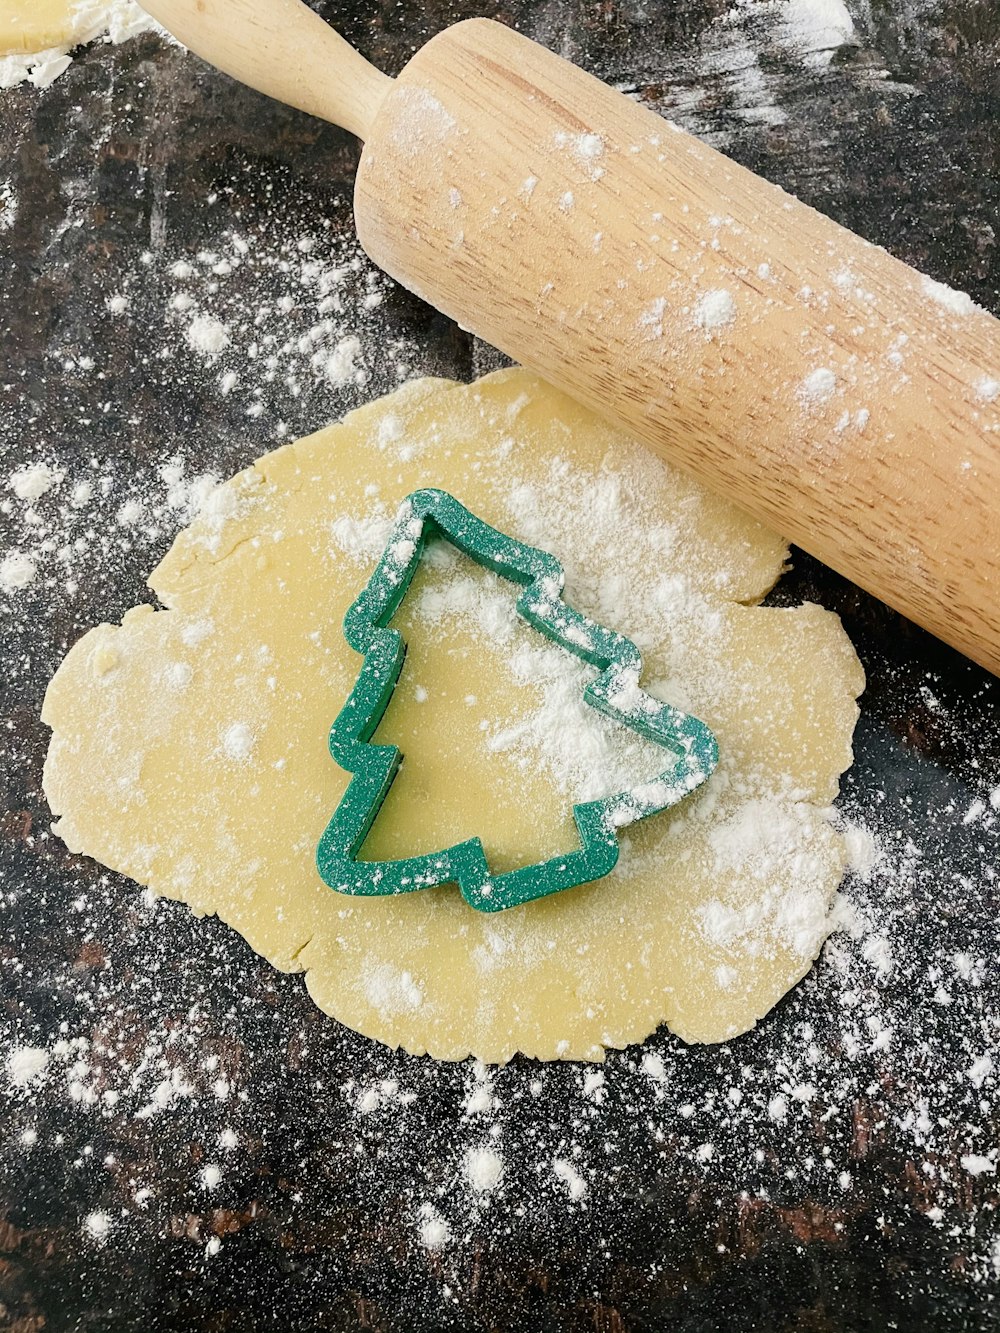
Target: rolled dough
[(189, 745)]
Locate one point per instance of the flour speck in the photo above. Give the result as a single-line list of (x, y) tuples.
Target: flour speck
[(483, 1169), (34, 480), (207, 335), (433, 1229), (955, 302), (17, 571), (238, 742), (97, 1226), (26, 1065), (714, 310), (818, 386), (566, 1172)]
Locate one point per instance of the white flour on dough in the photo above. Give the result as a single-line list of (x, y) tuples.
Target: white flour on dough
[(190, 744)]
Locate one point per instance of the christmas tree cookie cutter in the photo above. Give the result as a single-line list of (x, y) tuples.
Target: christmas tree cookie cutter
[(426, 515)]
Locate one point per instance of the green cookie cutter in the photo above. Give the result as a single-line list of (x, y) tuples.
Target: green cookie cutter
[(424, 515)]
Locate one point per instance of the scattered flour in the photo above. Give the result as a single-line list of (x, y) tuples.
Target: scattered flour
[(588, 755), (566, 1172), (238, 742), (651, 318), (186, 496), (391, 989), (342, 365), (981, 1069), (211, 1177), (759, 842), (978, 1165), (816, 28), (818, 386), (432, 1228), (743, 1105), (33, 480), (8, 206), (419, 123), (27, 1065), (483, 1169), (207, 336), (714, 310), (595, 1086), (97, 1226), (589, 147), (955, 302), (653, 1067), (17, 571), (294, 331)]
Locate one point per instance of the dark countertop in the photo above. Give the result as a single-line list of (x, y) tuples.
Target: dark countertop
[(834, 1196)]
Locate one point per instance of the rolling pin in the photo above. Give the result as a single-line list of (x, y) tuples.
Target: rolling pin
[(825, 387)]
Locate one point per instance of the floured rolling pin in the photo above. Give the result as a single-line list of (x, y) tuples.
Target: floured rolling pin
[(835, 393)]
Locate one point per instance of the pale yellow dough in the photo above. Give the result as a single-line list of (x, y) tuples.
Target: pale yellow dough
[(27, 26), (36, 35), (190, 745)]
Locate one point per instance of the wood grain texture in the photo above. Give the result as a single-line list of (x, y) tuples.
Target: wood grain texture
[(827, 387), (283, 49)]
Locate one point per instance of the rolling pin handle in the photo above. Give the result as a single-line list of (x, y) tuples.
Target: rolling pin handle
[(280, 48)]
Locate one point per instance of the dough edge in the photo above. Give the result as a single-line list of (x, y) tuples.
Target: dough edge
[(178, 568)]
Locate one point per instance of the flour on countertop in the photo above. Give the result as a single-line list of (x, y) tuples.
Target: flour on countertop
[(570, 1178), (17, 571), (211, 1177), (302, 323), (25, 1064), (434, 1231), (8, 206), (483, 1169), (32, 480), (852, 1037), (207, 335), (756, 1114), (817, 28)]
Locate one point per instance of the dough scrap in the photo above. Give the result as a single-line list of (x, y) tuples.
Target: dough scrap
[(189, 745), (29, 26), (36, 35)]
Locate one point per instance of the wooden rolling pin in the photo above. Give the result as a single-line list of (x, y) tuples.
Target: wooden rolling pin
[(827, 388)]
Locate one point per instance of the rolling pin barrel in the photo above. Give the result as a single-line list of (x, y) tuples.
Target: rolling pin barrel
[(824, 386)]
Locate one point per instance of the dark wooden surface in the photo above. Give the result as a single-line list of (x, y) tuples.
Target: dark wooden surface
[(852, 1212)]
